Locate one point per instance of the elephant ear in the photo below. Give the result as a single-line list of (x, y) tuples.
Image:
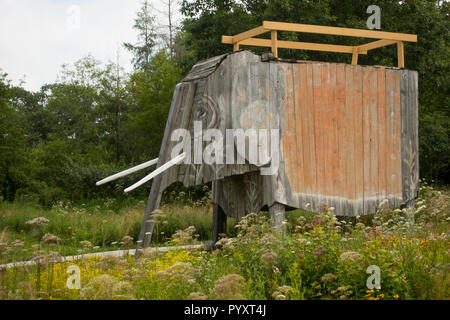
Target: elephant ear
[(254, 107), (257, 116)]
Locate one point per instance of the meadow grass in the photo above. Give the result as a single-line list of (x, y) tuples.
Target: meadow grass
[(318, 257)]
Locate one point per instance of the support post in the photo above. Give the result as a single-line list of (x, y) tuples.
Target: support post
[(355, 56), (236, 46), (277, 216), (273, 35), (410, 212), (219, 223), (154, 199), (401, 54)]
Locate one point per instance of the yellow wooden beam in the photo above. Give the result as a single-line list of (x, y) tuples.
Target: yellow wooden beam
[(376, 44), (294, 27), (274, 40), (355, 56), (294, 45), (401, 54), (249, 34)]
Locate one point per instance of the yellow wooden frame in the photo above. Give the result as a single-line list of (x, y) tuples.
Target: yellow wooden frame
[(385, 39)]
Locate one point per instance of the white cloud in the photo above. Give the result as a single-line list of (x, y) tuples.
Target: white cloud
[(38, 36)]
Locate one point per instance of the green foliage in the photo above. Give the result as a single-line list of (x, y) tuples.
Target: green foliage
[(145, 25), (151, 93)]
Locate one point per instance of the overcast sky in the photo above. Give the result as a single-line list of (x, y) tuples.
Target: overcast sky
[(38, 36)]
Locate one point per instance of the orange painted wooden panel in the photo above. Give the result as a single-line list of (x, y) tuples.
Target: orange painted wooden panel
[(318, 106), (349, 135), (342, 139), (397, 140), (300, 102), (382, 143), (311, 137), (290, 132), (366, 133), (342, 135), (357, 111), (373, 120)]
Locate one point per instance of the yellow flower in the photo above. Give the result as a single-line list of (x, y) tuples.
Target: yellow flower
[(396, 296)]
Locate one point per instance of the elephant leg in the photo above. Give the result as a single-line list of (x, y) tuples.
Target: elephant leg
[(276, 212), (219, 223), (154, 199), (410, 212)]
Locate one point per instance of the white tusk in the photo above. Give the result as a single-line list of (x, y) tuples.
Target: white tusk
[(128, 171), (159, 170)]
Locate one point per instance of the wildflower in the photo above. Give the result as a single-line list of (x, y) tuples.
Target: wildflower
[(360, 225), (328, 277), (382, 203), (17, 243), (396, 296), (157, 213), (106, 287), (349, 255), (320, 250), (127, 242), (50, 238), (38, 222), (269, 239), (4, 249), (222, 242), (197, 296), (228, 287), (270, 257), (86, 244), (186, 236), (282, 292)]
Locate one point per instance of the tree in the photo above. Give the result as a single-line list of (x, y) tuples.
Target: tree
[(14, 158), (151, 94), (142, 50)]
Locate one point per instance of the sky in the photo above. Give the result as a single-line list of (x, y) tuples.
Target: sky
[(38, 36)]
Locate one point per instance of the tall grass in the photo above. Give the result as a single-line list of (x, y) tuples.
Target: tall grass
[(319, 257), (102, 224)]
